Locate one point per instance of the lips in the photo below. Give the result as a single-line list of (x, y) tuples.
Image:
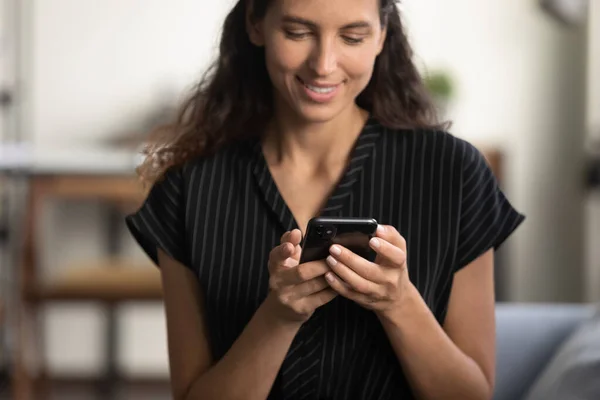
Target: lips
[(321, 88), (319, 92)]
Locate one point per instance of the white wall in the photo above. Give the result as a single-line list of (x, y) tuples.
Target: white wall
[(593, 108), (97, 65), (7, 50), (593, 122), (520, 86)]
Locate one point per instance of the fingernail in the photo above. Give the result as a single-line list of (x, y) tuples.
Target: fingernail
[(329, 277), (380, 229), (375, 242), (331, 260), (335, 250)]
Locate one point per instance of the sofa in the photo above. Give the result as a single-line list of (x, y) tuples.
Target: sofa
[(528, 337)]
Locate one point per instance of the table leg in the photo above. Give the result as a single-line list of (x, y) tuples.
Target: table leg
[(107, 389), (109, 384)]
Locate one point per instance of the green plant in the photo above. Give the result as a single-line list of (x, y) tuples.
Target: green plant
[(439, 84)]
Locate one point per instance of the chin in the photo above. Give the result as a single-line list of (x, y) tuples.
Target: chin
[(321, 113), (318, 114)]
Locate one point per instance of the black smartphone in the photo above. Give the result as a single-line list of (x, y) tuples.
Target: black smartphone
[(352, 233)]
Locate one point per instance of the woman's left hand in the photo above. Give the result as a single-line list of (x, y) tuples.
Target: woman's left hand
[(379, 286)]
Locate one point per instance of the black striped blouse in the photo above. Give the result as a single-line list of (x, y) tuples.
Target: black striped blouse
[(221, 216)]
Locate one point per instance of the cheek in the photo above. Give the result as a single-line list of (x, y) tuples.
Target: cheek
[(283, 57), (359, 65)]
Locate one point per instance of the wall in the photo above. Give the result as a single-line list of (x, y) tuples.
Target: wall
[(7, 51), (521, 84), (593, 122), (593, 107), (96, 66)]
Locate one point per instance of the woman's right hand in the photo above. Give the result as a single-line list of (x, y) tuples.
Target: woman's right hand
[(296, 290)]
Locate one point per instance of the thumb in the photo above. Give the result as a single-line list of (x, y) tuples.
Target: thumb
[(295, 238)]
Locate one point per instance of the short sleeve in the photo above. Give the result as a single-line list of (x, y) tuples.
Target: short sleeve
[(160, 221), (486, 217)]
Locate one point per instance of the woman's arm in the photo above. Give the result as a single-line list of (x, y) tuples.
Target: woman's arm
[(247, 371), (456, 362), (249, 368)]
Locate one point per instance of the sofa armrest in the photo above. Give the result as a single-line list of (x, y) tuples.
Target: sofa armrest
[(527, 336)]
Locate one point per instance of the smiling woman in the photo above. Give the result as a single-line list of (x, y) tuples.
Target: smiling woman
[(269, 44), (319, 65), (314, 108)]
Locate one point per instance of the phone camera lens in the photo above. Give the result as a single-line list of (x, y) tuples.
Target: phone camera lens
[(325, 231)]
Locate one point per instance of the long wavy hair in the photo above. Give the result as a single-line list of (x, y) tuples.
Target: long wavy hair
[(234, 98)]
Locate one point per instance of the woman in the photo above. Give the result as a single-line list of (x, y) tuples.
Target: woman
[(315, 108)]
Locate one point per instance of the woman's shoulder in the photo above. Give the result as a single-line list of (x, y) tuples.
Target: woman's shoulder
[(429, 143), (227, 160)]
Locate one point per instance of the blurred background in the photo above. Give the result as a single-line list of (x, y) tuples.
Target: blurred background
[(82, 81)]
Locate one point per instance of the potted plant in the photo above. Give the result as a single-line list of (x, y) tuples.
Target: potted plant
[(440, 86)]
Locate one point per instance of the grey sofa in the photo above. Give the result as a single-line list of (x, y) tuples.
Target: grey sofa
[(528, 335)]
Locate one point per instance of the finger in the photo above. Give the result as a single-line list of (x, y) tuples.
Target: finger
[(351, 278), (295, 239), (344, 290), (307, 288), (391, 234), (280, 257), (303, 272), (320, 298), (285, 237), (340, 286), (296, 254), (285, 250), (387, 253), (361, 266), (293, 236)]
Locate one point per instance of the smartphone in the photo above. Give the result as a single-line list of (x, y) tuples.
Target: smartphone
[(352, 233)]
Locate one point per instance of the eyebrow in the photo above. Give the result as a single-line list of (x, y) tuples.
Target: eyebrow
[(313, 25)]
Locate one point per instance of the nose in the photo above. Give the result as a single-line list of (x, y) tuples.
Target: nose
[(323, 60)]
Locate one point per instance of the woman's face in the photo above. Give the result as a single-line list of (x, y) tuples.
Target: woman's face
[(319, 53)]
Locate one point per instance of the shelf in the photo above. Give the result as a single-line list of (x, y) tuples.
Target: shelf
[(118, 189), (105, 281)]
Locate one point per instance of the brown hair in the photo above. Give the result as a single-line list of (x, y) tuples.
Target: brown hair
[(234, 97)]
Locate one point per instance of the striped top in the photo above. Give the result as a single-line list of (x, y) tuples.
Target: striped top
[(221, 216)]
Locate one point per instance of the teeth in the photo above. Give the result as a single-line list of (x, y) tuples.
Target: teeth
[(321, 90)]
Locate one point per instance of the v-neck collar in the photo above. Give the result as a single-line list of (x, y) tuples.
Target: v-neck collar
[(360, 153)]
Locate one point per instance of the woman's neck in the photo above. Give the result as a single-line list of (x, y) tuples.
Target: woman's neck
[(313, 145)]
